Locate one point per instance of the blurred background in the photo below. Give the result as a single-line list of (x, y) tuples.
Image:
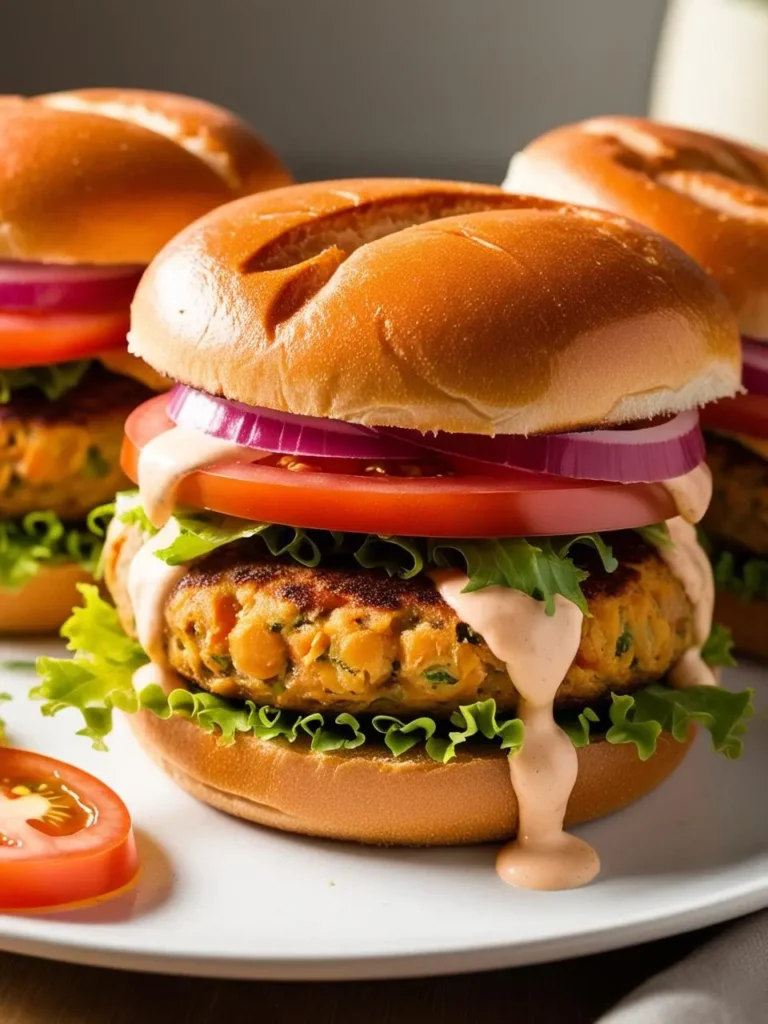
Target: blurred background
[(345, 87)]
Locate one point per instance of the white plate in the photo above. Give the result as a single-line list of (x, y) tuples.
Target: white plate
[(219, 897)]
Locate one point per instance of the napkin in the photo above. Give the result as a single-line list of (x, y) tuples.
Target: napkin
[(723, 982)]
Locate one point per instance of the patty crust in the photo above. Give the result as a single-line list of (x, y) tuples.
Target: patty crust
[(243, 624), (64, 455), (738, 513)]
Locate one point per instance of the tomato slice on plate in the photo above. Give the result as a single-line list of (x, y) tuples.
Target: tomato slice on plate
[(36, 339), (744, 414), (516, 504), (65, 837)]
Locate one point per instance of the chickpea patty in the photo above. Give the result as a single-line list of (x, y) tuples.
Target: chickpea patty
[(738, 514), (64, 455), (244, 625)]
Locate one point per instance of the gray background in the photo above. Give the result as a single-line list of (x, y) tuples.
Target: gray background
[(340, 87)]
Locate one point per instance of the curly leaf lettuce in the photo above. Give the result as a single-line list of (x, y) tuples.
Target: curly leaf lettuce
[(746, 577), (718, 650), (99, 678), (53, 380), (3, 739), (39, 539)]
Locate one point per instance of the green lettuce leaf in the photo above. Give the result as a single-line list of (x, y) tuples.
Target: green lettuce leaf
[(3, 737), (640, 717), (540, 568), (471, 720), (718, 650), (99, 679), (746, 577), (579, 726), (54, 380), (40, 538), (657, 534)]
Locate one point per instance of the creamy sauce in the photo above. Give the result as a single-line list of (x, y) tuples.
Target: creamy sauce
[(150, 582), (689, 563), (173, 455), (159, 675), (538, 650), (691, 493), (163, 464)]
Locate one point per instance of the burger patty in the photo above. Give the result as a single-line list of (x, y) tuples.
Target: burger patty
[(738, 514), (244, 625), (64, 455)]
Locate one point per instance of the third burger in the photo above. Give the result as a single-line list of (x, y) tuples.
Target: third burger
[(710, 196)]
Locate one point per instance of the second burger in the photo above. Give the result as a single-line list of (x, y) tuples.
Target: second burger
[(92, 184)]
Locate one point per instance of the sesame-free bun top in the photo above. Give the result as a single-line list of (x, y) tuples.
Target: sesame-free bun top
[(110, 175), (435, 306), (708, 194)]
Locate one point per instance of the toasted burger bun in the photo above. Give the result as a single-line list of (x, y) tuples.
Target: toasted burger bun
[(746, 620), (365, 796), (42, 604), (436, 306), (707, 194), (109, 175)]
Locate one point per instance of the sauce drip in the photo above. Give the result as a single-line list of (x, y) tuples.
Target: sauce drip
[(163, 464), (538, 650), (691, 493), (173, 455), (690, 564), (150, 582)]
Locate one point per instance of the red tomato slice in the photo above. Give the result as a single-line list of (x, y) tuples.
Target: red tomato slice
[(513, 505), (744, 414), (65, 837), (36, 339)]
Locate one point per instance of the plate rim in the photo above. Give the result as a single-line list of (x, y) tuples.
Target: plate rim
[(752, 898)]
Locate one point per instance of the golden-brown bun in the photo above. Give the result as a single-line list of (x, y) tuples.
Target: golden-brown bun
[(437, 306), (707, 194), (747, 620), (366, 796), (45, 602), (121, 362), (108, 175)]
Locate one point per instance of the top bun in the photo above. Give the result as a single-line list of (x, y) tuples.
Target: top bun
[(109, 175), (435, 306), (707, 194)]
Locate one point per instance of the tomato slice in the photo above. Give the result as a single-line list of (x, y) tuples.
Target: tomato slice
[(36, 339), (65, 837), (744, 414), (514, 505)]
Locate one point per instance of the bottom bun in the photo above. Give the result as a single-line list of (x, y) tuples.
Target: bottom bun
[(747, 620), (43, 603), (366, 796)]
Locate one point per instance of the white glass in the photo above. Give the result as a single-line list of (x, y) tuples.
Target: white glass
[(712, 68)]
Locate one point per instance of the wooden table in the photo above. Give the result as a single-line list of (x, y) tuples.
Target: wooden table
[(574, 991)]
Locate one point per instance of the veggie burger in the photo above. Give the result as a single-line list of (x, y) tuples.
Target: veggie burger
[(412, 558), (92, 185), (710, 196)]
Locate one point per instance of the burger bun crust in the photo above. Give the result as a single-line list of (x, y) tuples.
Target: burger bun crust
[(434, 306), (367, 796), (708, 194), (110, 175), (43, 603)]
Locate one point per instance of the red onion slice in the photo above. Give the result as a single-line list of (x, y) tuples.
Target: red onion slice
[(63, 287), (632, 455), (754, 375), (282, 433)]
